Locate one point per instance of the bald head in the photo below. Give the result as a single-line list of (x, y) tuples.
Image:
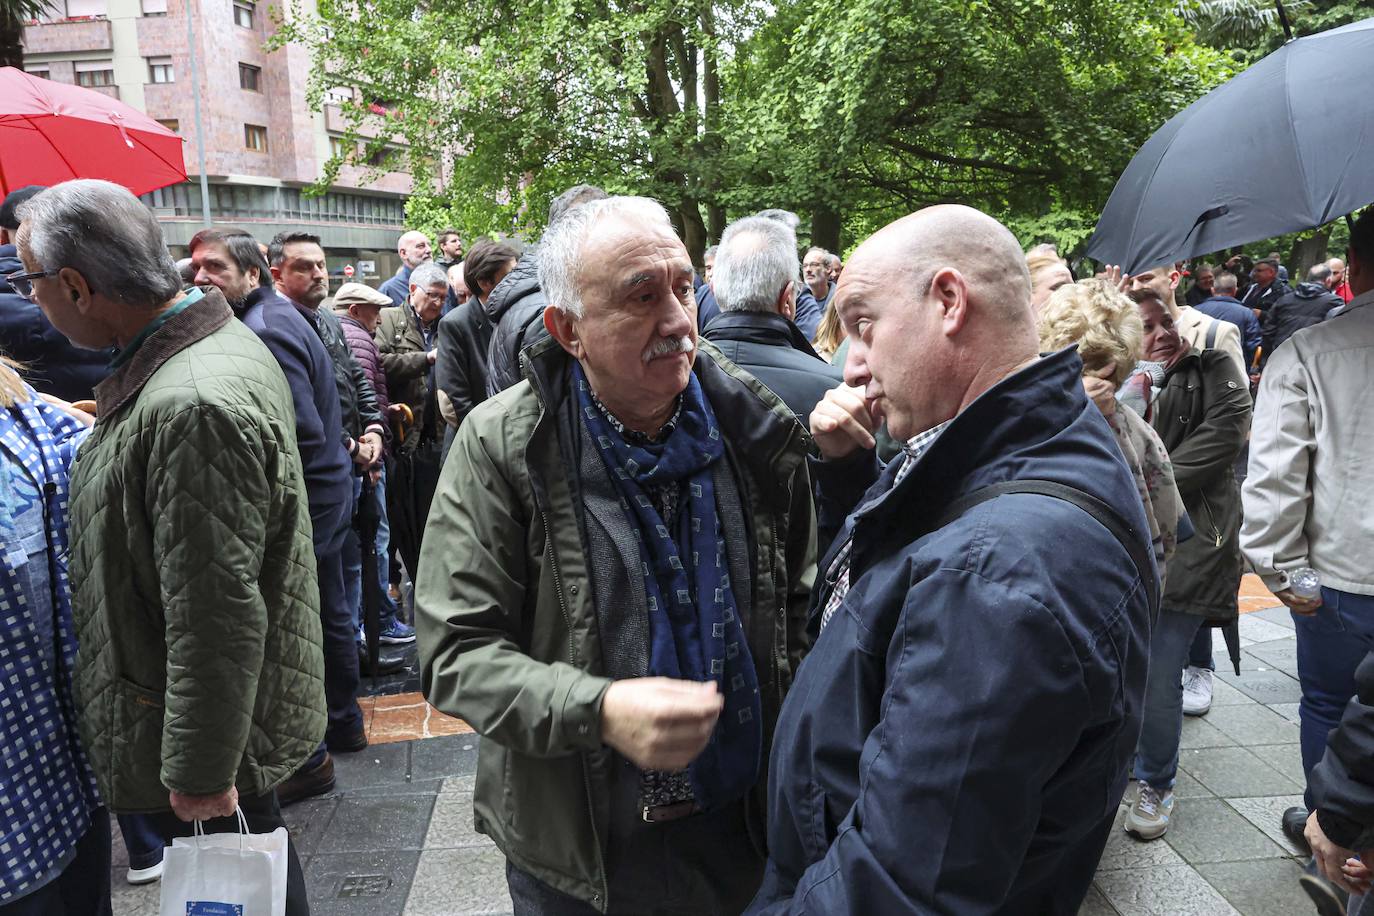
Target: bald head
[(937, 309), (413, 247)]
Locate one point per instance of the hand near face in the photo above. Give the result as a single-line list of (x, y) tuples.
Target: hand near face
[(1100, 389), (659, 723), (842, 422)]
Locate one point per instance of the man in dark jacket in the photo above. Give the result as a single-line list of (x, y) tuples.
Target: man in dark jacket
[(52, 365), (959, 737), (460, 369), (516, 306), (755, 283), (1299, 308), (1224, 306), (1266, 289), (232, 262), (413, 248)]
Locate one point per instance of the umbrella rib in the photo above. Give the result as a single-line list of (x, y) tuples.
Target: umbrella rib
[(55, 148), (1292, 128)]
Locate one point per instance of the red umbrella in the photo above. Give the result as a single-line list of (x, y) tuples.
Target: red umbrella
[(52, 132)]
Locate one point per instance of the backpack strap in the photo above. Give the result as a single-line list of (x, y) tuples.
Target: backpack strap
[(1105, 515), (1211, 340)]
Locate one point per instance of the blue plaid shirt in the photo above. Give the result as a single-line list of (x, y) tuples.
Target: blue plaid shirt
[(47, 790)]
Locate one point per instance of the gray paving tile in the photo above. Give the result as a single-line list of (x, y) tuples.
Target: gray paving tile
[(376, 767), (1268, 887), (1279, 653), (1286, 758), (1254, 724), (1198, 731), (1234, 772), (393, 822), (128, 900), (1266, 814), (450, 826), (1279, 615), (1173, 890), (1290, 711), (1095, 904), (307, 821), (119, 854), (1223, 694), (1185, 786), (484, 890), (1267, 685), (464, 784), (360, 884), (1259, 630), (1209, 830), (1125, 851), (451, 755)]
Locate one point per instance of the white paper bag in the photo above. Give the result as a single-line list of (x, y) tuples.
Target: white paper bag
[(225, 874)]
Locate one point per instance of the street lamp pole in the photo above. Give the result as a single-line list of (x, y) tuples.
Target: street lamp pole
[(200, 127)]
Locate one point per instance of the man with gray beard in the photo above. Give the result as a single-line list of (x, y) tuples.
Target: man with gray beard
[(613, 587)]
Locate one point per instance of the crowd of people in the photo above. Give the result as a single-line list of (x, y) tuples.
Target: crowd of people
[(753, 580)]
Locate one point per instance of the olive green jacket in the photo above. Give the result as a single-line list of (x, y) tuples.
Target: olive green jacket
[(508, 629), (195, 599)]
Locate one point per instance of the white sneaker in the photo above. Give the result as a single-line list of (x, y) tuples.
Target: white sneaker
[(144, 875), (1148, 818), (1197, 691)]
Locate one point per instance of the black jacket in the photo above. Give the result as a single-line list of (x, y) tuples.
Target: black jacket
[(460, 368), (774, 351), (1342, 783), (52, 363), (958, 738), (357, 398), (1203, 416), (515, 309), (1299, 308), (1255, 298)]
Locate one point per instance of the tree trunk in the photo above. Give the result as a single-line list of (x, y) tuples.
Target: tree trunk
[(1307, 253), (11, 42), (693, 230), (825, 228)]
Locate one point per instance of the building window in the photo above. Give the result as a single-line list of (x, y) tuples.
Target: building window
[(243, 13), (42, 74), (84, 9), (255, 137), (339, 147), (171, 124), (250, 77), (160, 70), (155, 7), (93, 73)]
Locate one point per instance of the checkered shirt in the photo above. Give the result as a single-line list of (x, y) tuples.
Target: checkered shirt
[(47, 788), (915, 447)]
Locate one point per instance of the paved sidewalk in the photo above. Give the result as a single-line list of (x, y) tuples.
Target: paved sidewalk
[(396, 838)]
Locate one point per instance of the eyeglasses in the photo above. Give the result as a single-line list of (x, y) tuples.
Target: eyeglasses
[(22, 283)]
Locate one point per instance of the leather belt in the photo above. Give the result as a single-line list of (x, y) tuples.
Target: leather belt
[(656, 814)]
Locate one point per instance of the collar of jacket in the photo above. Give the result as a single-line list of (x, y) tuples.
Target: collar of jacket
[(261, 294), (761, 430), (515, 285), (767, 328), (1229, 300), (194, 323), (1364, 298), (987, 442)]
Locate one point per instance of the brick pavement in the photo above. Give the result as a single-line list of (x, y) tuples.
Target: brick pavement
[(396, 837)]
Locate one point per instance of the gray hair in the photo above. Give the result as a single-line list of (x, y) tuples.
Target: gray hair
[(787, 217), (1225, 282), (107, 235), (1319, 273), (757, 259), (560, 252), (710, 251), (428, 274), (816, 249), (575, 196)]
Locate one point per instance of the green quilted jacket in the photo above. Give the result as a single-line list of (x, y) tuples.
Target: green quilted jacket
[(195, 597)]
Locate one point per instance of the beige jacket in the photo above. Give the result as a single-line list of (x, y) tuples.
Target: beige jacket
[(1307, 495), (1192, 326)]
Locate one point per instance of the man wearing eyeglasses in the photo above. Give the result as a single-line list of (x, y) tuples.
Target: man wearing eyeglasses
[(51, 363)]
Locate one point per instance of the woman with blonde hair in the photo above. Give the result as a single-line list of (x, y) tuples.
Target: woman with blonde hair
[(829, 342), (1048, 272)]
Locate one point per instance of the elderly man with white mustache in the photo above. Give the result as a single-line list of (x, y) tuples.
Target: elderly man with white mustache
[(614, 584)]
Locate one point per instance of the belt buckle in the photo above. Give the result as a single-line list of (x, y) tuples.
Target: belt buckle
[(657, 814)]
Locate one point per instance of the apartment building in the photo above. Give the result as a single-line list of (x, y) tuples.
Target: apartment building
[(263, 144)]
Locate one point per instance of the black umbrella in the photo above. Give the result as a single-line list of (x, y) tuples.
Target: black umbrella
[(410, 485), (1285, 146), (367, 519)]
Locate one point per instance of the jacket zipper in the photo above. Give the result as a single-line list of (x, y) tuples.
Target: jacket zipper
[(1211, 520), (572, 659)]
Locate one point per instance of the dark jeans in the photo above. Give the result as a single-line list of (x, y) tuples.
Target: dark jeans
[(340, 648), (83, 888), (1200, 655), (142, 839), (263, 815), (1331, 644)]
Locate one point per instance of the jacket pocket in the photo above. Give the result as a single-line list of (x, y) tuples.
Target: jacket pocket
[(136, 743)]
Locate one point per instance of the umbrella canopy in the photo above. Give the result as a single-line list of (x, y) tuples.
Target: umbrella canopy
[(1285, 146), (51, 132)]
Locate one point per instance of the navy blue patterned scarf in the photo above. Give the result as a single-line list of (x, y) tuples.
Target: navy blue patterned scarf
[(695, 632)]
